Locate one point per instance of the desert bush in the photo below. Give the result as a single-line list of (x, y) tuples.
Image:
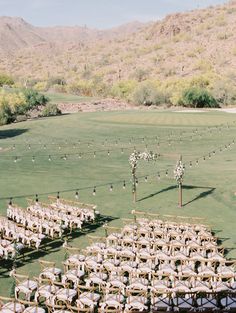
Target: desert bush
[(124, 89), (6, 115), (140, 74), (147, 94), (196, 97), (33, 100), (41, 86), (50, 109), (224, 91), (6, 80)]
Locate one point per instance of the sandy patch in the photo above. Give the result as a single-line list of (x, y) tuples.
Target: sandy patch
[(229, 110), (191, 111)]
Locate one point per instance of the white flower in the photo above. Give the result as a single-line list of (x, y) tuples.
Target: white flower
[(179, 171)]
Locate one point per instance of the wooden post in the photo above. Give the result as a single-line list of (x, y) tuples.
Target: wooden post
[(180, 195), (180, 189), (134, 186)]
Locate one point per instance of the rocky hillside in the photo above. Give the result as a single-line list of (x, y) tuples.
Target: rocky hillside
[(181, 45)]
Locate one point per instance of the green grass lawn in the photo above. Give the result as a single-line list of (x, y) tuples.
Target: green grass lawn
[(209, 187), (67, 98)]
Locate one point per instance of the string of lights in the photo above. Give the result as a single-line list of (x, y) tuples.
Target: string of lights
[(124, 182), (94, 153), (171, 137)]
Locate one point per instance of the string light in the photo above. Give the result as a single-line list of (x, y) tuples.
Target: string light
[(49, 158), (10, 201), (94, 154), (94, 191), (190, 164), (76, 194), (197, 162), (108, 152), (124, 185), (33, 159), (158, 176), (65, 157), (111, 187), (166, 173), (29, 147), (15, 160), (58, 195), (36, 198), (146, 179), (44, 147)]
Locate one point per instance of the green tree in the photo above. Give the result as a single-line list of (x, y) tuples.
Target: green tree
[(195, 97)]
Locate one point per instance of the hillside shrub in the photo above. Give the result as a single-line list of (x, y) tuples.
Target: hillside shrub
[(50, 109), (124, 89), (147, 94), (198, 98), (33, 100), (6, 80), (6, 115)]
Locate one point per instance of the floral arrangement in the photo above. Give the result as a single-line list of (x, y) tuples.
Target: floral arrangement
[(179, 171)]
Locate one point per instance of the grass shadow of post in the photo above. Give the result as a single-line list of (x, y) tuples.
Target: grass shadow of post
[(184, 187)]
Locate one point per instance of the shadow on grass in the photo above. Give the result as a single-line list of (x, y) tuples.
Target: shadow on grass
[(51, 246), (9, 133), (203, 194), (158, 192)]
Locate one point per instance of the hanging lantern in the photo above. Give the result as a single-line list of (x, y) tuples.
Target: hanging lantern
[(122, 150), (204, 158), (33, 159), (209, 155), (58, 195), (29, 147), (14, 147), (108, 152), (124, 185), (137, 181), (49, 158), (94, 154), (197, 162), (65, 157), (44, 147), (76, 194), (94, 191), (166, 173), (158, 176), (190, 164), (80, 155), (146, 179), (111, 187), (15, 159), (10, 202)]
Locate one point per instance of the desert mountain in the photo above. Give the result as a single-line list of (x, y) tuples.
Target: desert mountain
[(182, 44)]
